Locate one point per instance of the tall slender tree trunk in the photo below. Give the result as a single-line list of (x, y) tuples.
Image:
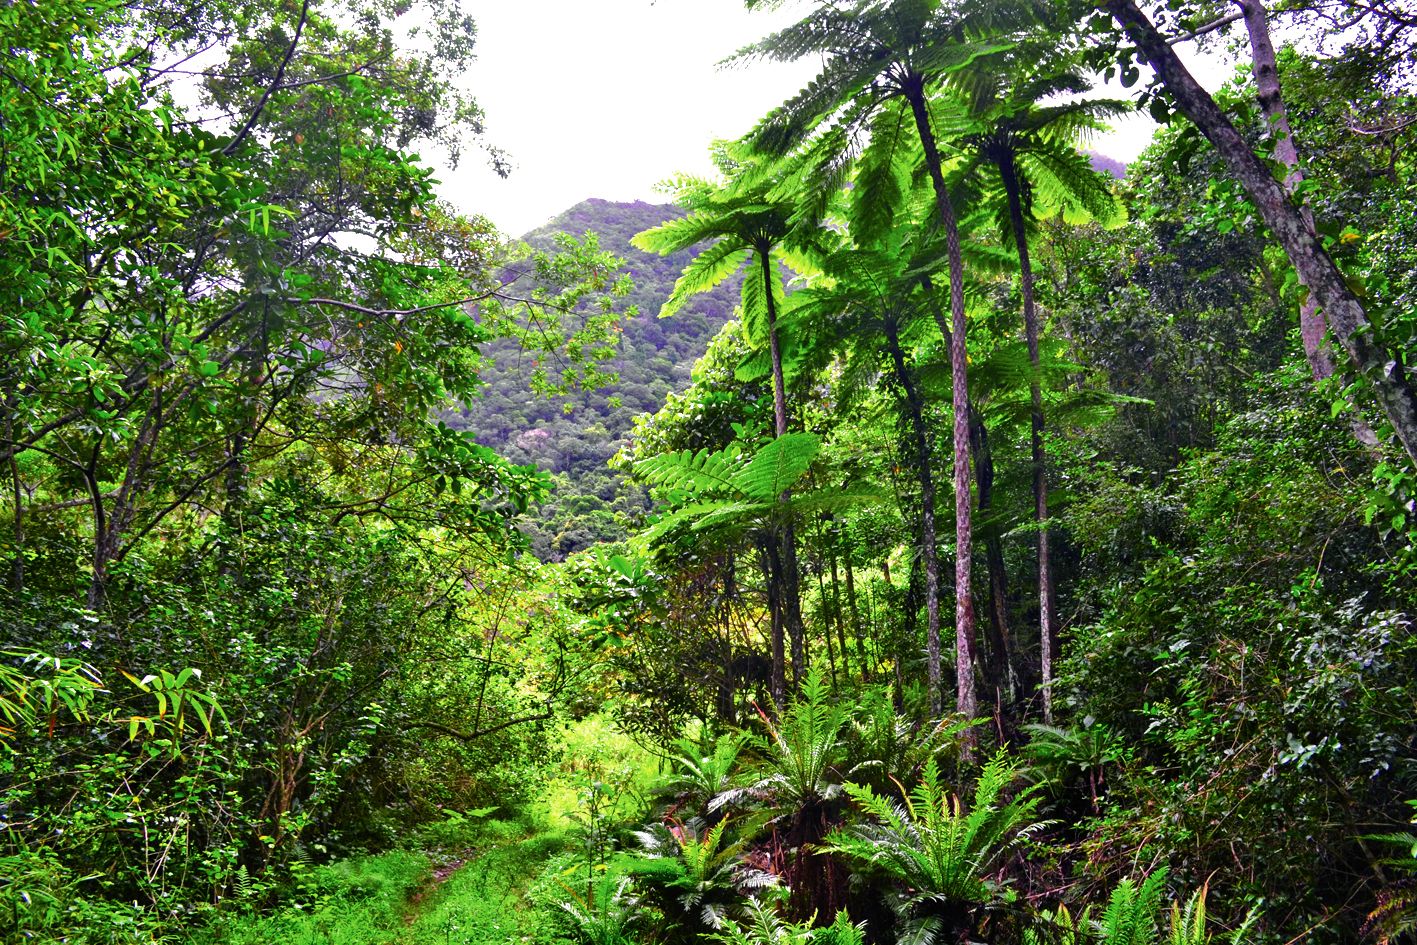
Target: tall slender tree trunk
[(791, 594), (772, 572), (1382, 367), (1047, 629), (1265, 68), (966, 698), (928, 544), (837, 616), (726, 686), (1002, 674)]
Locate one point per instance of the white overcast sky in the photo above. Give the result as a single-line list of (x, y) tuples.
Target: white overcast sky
[(606, 98)]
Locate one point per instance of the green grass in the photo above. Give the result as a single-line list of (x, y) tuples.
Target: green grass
[(467, 882), (397, 898)]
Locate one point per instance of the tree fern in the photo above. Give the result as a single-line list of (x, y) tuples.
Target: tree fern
[(706, 471), (680, 233)]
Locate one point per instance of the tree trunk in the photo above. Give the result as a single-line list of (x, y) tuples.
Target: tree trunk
[(1350, 323), (772, 569), (915, 405), (856, 628), (791, 595), (1265, 69), (837, 615), (966, 700), (1047, 629), (1003, 674), (17, 567)]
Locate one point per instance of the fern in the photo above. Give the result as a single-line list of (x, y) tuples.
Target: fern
[(880, 181), (801, 749), (764, 926), (777, 466), (942, 853), (700, 777), (607, 915), (704, 471), (681, 233), (1131, 914), (706, 270)]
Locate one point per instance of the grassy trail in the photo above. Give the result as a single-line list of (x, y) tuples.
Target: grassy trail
[(476, 897), (483, 900)]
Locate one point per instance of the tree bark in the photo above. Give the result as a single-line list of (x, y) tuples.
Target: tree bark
[(837, 615), (928, 544), (856, 629), (1265, 67), (966, 698), (772, 569), (1047, 629), (790, 595), (1346, 316)]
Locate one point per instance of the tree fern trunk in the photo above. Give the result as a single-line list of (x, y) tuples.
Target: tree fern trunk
[(790, 592), (1047, 629), (928, 544), (771, 569), (966, 699)]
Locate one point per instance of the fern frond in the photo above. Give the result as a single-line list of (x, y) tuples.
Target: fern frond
[(709, 268), (680, 233), (704, 471), (776, 467)]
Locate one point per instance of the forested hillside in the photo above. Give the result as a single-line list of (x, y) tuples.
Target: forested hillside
[(916, 532), (574, 435)]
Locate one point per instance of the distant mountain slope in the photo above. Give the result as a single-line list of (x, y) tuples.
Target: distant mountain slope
[(1107, 165), (655, 358), (576, 435)]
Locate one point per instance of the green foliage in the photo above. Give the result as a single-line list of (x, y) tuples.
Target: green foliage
[(801, 750), (943, 855), (765, 927), (698, 778), (696, 870)]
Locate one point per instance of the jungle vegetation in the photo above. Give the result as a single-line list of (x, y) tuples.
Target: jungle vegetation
[(985, 547)]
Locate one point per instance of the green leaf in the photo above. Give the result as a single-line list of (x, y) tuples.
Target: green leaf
[(777, 466)]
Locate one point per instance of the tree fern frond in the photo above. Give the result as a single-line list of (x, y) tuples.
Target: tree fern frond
[(881, 175), (703, 471), (680, 233), (1064, 181), (776, 467), (709, 268)]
